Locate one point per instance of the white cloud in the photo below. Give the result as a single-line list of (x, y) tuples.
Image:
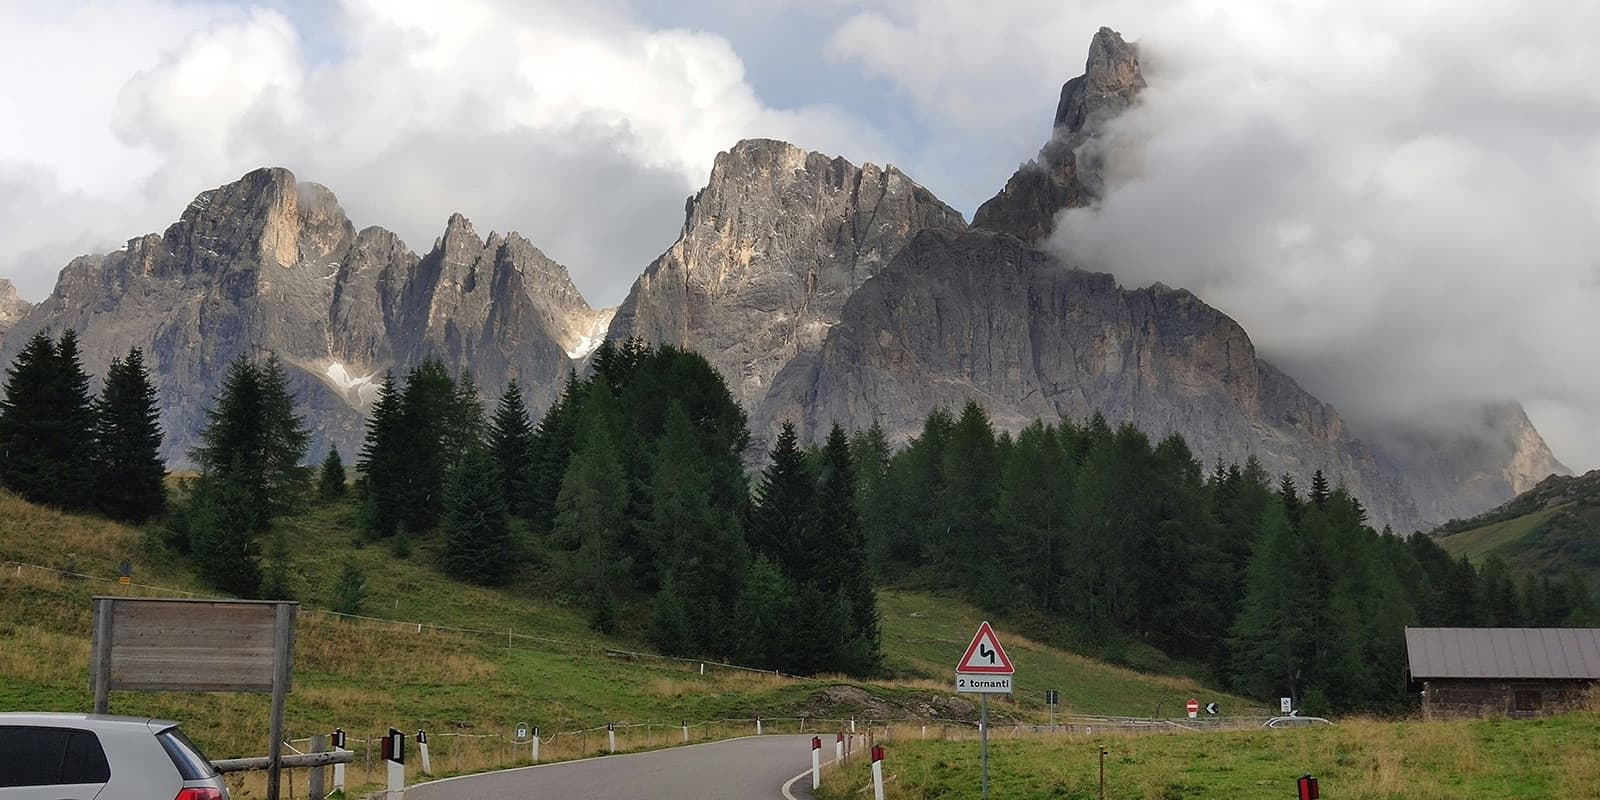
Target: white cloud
[(524, 116), (1400, 201)]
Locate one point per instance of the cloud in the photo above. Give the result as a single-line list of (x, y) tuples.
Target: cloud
[(574, 124), (1398, 200)]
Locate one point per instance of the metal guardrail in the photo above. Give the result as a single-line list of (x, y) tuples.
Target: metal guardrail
[(301, 761)]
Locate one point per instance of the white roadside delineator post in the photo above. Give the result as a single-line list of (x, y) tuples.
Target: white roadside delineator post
[(877, 772), (758, 726), (686, 731), (422, 749), (338, 769), (838, 748), (535, 745), (816, 762), (611, 737), (394, 759)]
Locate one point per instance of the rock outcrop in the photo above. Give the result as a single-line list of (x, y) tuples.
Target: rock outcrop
[(1067, 172), (771, 249), (986, 317), (12, 307), (266, 264)]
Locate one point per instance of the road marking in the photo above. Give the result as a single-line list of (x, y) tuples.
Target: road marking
[(788, 795)]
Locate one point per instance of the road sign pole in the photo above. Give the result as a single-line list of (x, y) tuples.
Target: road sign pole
[(983, 738)]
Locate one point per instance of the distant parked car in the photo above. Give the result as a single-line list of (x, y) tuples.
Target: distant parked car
[(1295, 722), (95, 757)]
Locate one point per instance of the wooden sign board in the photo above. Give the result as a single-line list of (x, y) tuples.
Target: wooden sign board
[(188, 645), (142, 645)]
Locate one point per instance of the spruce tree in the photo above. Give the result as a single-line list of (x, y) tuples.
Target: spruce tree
[(224, 519), (349, 590), (283, 448), (74, 409), (1319, 488), (477, 540), (330, 477), (697, 544), (511, 443), (841, 546), (1272, 640), (29, 426), (381, 462), (129, 472), (431, 414), (784, 510), (590, 515), (276, 583)]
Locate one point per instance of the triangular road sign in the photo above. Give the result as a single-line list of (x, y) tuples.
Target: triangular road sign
[(985, 656)]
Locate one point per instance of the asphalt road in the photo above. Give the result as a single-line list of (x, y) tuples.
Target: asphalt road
[(740, 769)]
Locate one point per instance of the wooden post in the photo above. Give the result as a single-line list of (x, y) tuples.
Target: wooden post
[(318, 788), (102, 655), (282, 665)]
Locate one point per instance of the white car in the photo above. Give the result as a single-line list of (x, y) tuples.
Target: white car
[(1295, 722), (95, 757)]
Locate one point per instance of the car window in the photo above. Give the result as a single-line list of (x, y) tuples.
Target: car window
[(191, 763), (35, 756)]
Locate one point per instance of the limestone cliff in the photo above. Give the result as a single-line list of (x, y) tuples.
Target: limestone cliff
[(12, 307), (770, 251), (268, 264)]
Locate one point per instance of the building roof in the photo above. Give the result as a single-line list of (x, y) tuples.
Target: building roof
[(1551, 653)]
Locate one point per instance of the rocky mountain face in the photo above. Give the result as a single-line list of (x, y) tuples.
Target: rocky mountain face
[(822, 291), (269, 264), (987, 315), (1478, 462), (981, 316), (771, 249), (12, 307), (1066, 173)]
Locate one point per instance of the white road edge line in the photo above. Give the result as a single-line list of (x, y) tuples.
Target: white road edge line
[(612, 756), (788, 795)]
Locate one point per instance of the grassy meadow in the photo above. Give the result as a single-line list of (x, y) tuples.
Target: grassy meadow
[(1357, 760), (367, 675)]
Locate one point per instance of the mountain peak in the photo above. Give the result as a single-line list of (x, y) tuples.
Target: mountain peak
[(12, 307), (1061, 176)]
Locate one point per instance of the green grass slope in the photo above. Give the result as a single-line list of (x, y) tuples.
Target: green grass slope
[(460, 658), (1551, 529), (1360, 760)]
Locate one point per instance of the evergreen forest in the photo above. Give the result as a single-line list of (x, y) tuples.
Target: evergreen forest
[(632, 496)]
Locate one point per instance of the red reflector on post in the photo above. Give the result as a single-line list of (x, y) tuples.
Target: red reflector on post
[(840, 739), (816, 743), (1309, 789), (877, 752)]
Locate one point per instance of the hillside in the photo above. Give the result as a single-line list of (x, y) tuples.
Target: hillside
[(1551, 529), (447, 665)]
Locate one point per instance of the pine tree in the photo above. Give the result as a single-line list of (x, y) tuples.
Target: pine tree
[(477, 540), (511, 443), (590, 515), (696, 544), (331, 478), (1271, 640), (224, 520), (73, 407), (1319, 488), (250, 470), (349, 590), (784, 509), (283, 448), (380, 462), (29, 426), (843, 570), (129, 473)]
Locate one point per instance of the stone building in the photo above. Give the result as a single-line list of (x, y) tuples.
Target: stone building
[(1512, 672)]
